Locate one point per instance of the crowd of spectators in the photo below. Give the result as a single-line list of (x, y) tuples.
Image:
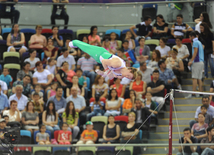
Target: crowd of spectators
[(55, 89)]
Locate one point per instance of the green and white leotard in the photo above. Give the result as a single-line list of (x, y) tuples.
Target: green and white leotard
[(98, 53)]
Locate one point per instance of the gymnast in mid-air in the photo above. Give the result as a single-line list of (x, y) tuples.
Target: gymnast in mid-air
[(114, 66)]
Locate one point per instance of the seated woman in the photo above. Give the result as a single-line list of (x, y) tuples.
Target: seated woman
[(71, 118), (114, 66), (106, 45), (163, 48), (153, 63), (183, 52), (142, 52), (50, 117), (81, 89), (175, 64), (130, 40), (150, 104), (32, 59), (13, 113), (130, 129), (30, 118), (38, 41), (128, 104), (99, 87), (119, 87), (16, 40), (111, 131), (113, 104), (139, 86), (50, 51), (199, 130), (93, 38), (160, 28), (42, 76), (25, 71), (57, 39)]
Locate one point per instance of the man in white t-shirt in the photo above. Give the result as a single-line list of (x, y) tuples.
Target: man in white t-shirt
[(3, 87), (66, 57), (146, 72)]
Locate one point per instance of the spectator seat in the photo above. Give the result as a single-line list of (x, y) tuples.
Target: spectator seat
[(22, 153), (149, 10), (128, 148), (25, 137), (65, 33), (47, 32), (104, 152), (11, 57), (125, 152), (119, 42), (28, 33), (86, 150), (5, 32), (3, 48), (82, 32), (14, 68), (121, 118), (152, 43), (42, 152), (61, 152), (68, 149), (37, 150), (186, 40), (117, 31), (99, 122)]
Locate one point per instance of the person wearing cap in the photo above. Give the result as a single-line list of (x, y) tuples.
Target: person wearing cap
[(2, 127), (175, 64), (66, 57), (88, 136)]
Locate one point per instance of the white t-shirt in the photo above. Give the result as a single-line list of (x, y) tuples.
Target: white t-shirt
[(3, 86), (32, 63), (70, 59), (182, 51), (12, 118), (42, 76), (163, 51), (197, 27)]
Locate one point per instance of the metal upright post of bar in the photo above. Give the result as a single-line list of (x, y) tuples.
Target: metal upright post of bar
[(170, 121)]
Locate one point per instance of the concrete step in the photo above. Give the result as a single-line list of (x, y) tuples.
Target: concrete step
[(180, 114), (161, 141), (164, 135), (188, 75), (181, 121), (164, 128), (187, 101), (189, 87), (189, 81), (184, 107), (158, 150)]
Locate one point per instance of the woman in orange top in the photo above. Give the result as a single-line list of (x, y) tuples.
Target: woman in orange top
[(129, 102), (93, 38), (119, 87), (139, 86)]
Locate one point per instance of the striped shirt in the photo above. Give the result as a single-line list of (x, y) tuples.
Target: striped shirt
[(178, 29), (86, 64)]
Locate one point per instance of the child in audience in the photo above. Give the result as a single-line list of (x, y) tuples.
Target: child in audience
[(88, 136), (6, 117), (38, 103), (82, 79), (52, 91), (208, 117), (113, 42), (2, 127), (5, 76), (130, 40), (150, 104), (64, 136), (96, 108), (42, 137), (120, 53), (51, 66), (37, 89), (128, 51)]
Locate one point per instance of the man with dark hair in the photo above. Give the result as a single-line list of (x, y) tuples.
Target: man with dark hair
[(8, 11), (59, 100), (146, 72), (210, 111), (180, 28), (66, 57), (167, 76), (156, 88), (26, 86), (196, 63), (208, 150), (144, 29), (187, 139), (59, 11)]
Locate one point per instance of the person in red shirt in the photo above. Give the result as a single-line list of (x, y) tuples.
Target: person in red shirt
[(64, 136), (88, 136)]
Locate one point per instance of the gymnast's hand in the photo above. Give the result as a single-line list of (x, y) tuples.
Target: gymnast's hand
[(71, 45), (99, 72)]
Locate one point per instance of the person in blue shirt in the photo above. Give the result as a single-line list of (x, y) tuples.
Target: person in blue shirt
[(196, 63), (8, 11), (4, 101), (57, 39), (5, 76)]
